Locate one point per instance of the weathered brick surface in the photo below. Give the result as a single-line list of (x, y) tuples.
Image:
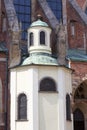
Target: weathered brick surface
[(81, 2), (3, 78), (79, 74), (80, 68), (76, 41), (2, 127)]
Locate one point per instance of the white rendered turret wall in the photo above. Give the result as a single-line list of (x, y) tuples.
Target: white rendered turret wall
[(34, 36), (46, 110)]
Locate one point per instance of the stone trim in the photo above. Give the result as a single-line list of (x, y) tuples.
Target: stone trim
[(79, 10), (48, 12), (64, 12), (11, 15)]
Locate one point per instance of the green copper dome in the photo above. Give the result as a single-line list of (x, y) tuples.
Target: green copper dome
[(39, 23), (42, 59), (40, 54)]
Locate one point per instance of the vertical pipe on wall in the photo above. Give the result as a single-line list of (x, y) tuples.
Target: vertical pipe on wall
[(6, 94)]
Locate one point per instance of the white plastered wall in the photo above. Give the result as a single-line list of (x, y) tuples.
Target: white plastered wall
[(26, 80), (22, 81)]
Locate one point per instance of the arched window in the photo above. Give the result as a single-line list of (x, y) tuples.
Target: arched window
[(47, 84), (78, 120), (22, 107), (78, 115), (68, 107), (42, 38), (79, 93), (31, 39)]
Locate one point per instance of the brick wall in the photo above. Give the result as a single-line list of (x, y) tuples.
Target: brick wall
[(3, 15), (76, 40), (80, 73), (3, 80), (80, 68), (81, 2)]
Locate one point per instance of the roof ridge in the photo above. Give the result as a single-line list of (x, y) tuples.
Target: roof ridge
[(79, 10)]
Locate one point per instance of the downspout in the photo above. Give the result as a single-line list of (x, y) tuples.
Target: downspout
[(69, 62), (6, 94)]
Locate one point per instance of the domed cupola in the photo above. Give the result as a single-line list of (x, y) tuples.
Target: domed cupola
[(39, 37), (39, 44)]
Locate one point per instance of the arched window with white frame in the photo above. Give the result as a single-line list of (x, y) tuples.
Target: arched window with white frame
[(22, 107)]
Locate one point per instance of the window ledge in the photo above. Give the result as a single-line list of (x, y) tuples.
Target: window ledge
[(21, 120), (69, 120), (48, 91)]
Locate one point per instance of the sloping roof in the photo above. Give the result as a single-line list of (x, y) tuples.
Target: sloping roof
[(3, 47), (77, 55), (39, 23), (40, 59), (79, 10)]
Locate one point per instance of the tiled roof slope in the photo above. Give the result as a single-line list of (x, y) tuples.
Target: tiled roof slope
[(79, 10), (77, 55)]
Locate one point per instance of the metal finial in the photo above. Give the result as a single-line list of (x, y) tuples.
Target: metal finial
[(39, 17)]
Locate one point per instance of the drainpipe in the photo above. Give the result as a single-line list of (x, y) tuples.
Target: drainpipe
[(69, 62), (6, 94)]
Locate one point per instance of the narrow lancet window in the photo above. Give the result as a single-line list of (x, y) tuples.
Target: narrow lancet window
[(22, 107), (42, 38), (31, 39), (68, 108)]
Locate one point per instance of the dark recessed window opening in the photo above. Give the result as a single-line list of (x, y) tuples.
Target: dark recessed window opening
[(42, 38), (68, 108), (23, 10), (78, 115), (47, 84), (78, 120), (31, 39), (22, 107)]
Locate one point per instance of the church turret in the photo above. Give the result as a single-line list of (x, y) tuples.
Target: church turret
[(40, 93), (39, 44), (39, 37)]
